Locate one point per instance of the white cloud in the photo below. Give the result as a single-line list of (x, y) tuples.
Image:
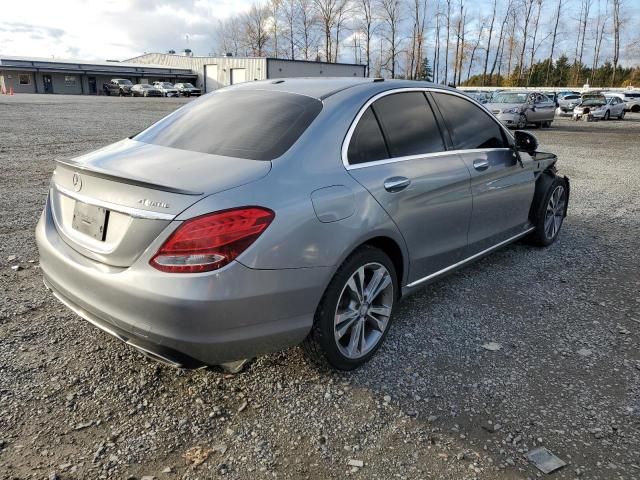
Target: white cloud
[(114, 29)]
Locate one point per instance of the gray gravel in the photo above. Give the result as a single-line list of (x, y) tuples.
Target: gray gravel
[(434, 403)]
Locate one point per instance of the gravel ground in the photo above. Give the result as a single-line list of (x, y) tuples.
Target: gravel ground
[(77, 404)]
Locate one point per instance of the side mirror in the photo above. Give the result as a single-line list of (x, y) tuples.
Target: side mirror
[(525, 141)]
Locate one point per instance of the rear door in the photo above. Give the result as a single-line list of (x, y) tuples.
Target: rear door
[(397, 152), (502, 188)]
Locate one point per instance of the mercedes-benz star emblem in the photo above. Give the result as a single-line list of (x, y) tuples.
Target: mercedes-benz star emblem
[(77, 182)]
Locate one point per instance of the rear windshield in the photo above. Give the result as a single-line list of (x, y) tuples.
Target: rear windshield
[(251, 124)]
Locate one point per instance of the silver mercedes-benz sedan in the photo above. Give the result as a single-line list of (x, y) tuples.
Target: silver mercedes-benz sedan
[(274, 213)]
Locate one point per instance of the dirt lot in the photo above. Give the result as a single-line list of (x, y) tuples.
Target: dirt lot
[(77, 404)]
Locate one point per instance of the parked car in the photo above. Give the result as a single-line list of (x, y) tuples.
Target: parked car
[(145, 90), (332, 200), (567, 103), (187, 90), (118, 87), (564, 93), (599, 106), (632, 101), (520, 108), (167, 89)]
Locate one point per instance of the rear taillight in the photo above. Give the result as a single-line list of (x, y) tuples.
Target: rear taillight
[(211, 241)]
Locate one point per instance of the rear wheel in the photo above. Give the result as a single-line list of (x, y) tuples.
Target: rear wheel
[(607, 115), (550, 206), (354, 315), (621, 116)]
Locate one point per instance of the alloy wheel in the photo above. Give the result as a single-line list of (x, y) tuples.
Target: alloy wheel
[(363, 310), (522, 122), (554, 214)]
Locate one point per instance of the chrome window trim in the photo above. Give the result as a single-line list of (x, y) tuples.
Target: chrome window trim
[(469, 259), (131, 211), (356, 120)]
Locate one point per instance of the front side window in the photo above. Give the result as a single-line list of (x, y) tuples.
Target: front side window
[(470, 126), (25, 79), (251, 124), (367, 143), (408, 124)]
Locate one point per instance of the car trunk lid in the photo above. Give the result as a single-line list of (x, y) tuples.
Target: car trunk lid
[(111, 204)]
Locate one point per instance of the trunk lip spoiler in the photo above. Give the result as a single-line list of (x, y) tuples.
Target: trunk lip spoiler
[(131, 211), (129, 181)]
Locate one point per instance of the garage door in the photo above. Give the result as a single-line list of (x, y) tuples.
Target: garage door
[(238, 75), (210, 77)]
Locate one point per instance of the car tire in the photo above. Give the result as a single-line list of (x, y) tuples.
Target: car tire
[(607, 115), (328, 346), (549, 209), (522, 122), (622, 114)]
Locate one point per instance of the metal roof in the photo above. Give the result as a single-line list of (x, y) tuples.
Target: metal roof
[(59, 64)]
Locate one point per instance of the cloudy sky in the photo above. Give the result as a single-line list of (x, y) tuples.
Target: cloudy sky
[(113, 29), (121, 29)]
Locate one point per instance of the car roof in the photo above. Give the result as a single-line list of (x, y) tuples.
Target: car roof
[(321, 88)]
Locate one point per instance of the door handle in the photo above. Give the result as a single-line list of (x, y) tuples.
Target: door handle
[(481, 165), (396, 184)]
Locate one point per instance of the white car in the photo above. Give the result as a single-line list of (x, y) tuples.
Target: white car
[(631, 100), (167, 89), (600, 106)]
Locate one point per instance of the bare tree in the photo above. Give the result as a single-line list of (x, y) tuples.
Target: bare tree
[(368, 25), (500, 48), (553, 42), (586, 7), (308, 22), (229, 35), (599, 34), (275, 6), (446, 53), (616, 38), (390, 15), (255, 29), (418, 18), (436, 49), (528, 9), (534, 48), (342, 11), (327, 11), (290, 14), (486, 57), (473, 52), (459, 36)]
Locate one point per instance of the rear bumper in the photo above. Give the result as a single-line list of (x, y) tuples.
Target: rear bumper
[(187, 320)]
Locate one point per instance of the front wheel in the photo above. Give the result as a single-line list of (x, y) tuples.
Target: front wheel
[(607, 114), (354, 315), (522, 122), (549, 209)]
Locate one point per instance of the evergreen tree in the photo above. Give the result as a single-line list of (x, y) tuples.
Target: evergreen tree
[(425, 72)]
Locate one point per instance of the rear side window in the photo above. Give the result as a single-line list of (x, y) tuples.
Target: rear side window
[(251, 124), (367, 143), (469, 125), (408, 124)]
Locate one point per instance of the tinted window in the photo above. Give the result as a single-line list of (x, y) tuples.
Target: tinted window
[(252, 124), (409, 124), (367, 143), (469, 125)]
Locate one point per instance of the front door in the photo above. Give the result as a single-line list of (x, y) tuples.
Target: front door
[(93, 89), (502, 188), (48, 83), (398, 154)]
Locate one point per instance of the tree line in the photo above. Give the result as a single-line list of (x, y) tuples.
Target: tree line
[(487, 42)]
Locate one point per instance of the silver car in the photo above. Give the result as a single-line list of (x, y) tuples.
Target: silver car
[(167, 89), (600, 107), (518, 109), (269, 214), (567, 103)]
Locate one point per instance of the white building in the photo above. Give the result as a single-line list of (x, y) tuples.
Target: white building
[(217, 72)]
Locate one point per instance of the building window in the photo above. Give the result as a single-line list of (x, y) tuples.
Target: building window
[(69, 80), (25, 79)]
